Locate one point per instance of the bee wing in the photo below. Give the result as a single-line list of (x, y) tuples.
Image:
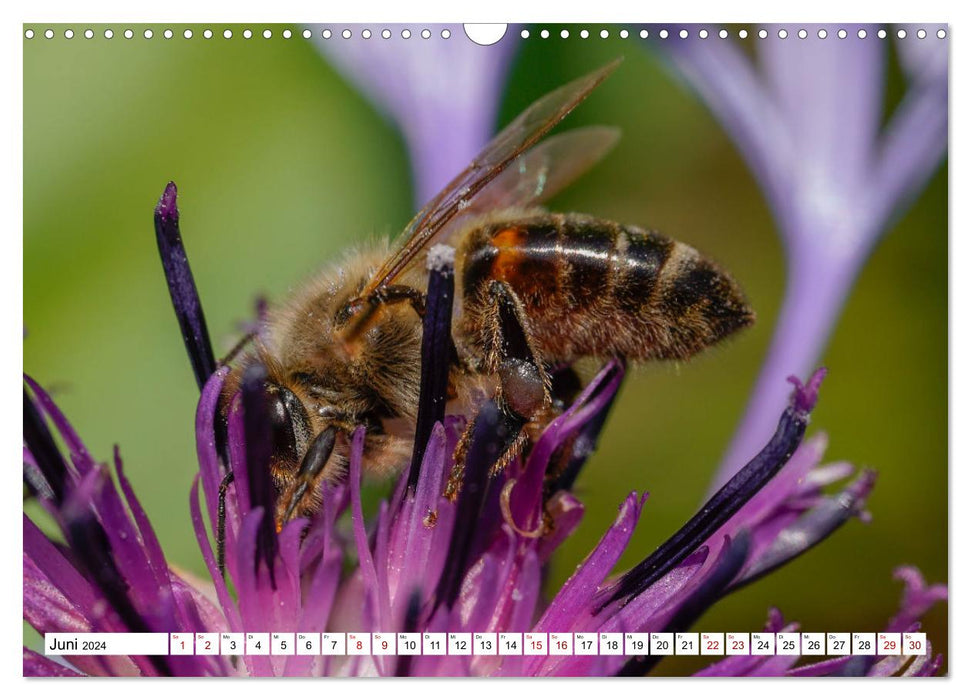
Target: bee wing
[(461, 193), (544, 170)]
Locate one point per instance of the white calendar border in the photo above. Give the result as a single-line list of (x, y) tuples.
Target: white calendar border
[(510, 10)]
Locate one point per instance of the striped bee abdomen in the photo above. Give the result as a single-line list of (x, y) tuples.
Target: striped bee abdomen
[(591, 287)]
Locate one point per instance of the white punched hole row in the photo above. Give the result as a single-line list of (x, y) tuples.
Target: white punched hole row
[(492, 35)]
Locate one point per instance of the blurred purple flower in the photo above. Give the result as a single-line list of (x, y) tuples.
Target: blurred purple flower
[(807, 117), (443, 93)]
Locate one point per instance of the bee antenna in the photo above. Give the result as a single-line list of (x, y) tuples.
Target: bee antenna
[(313, 464)]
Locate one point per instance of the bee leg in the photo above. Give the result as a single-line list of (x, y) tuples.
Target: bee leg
[(524, 385), (511, 430), (311, 467), (397, 293), (221, 523), (358, 315), (457, 475)]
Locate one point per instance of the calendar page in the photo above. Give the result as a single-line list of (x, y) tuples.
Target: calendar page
[(410, 349)]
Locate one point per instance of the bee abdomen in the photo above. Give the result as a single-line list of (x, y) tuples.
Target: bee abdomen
[(592, 287)]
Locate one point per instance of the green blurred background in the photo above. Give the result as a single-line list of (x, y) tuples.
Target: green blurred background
[(281, 164)]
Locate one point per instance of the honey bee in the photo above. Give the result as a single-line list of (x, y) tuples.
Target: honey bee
[(535, 290)]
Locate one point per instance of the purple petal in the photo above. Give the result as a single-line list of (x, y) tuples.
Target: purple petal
[(830, 93), (655, 606), (37, 665), (910, 150), (90, 544), (46, 608), (222, 592), (54, 570), (650, 611), (918, 598), (578, 591), (585, 442), (888, 666), (923, 60), (81, 459), (524, 594), (829, 667), (151, 549), (206, 449), (326, 576), (523, 496), (811, 528), (924, 666), (422, 530), (480, 593), (749, 666), (376, 595), (565, 512), (522, 601), (257, 602), (150, 595), (756, 666)]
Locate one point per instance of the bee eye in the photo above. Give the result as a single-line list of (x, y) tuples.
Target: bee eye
[(288, 421), (284, 439)]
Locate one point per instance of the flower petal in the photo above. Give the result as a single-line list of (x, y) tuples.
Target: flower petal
[(918, 598), (577, 593), (37, 665)]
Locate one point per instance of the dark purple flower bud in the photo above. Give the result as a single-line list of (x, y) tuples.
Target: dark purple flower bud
[(574, 454), (182, 287), (47, 458), (436, 351), (258, 441), (729, 499), (730, 562), (489, 440), (811, 528)]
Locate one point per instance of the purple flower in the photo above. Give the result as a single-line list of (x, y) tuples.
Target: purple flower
[(424, 563), (110, 575), (807, 117), (442, 92)]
